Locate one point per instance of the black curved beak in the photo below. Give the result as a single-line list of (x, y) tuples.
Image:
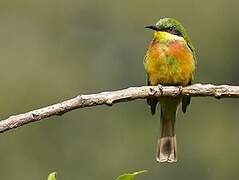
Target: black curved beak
[(153, 27)]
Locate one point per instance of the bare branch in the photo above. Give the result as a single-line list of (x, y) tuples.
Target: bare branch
[(112, 97)]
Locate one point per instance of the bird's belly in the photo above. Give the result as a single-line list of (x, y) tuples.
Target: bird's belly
[(168, 74), (173, 66)]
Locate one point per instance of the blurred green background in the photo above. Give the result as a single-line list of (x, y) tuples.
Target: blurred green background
[(52, 50)]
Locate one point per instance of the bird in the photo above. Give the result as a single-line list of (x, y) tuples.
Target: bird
[(170, 60)]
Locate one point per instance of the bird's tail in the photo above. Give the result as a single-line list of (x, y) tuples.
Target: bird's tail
[(167, 147)]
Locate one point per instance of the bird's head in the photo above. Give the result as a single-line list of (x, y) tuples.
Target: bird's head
[(171, 26)]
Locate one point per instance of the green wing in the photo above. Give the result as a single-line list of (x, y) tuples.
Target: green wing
[(186, 100), (151, 101)]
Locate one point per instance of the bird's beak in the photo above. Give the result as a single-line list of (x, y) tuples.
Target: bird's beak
[(153, 27)]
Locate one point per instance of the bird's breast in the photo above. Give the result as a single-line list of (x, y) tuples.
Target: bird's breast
[(170, 63)]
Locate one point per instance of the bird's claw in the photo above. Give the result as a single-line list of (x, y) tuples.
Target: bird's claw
[(180, 89), (160, 87)]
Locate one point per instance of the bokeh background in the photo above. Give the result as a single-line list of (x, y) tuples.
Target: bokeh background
[(52, 50)]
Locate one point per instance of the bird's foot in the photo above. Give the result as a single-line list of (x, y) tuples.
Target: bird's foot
[(180, 89), (160, 87)]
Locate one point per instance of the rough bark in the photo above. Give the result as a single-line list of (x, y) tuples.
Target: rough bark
[(112, 97)]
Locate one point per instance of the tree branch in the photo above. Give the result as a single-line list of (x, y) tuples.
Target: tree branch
[(112, 97)]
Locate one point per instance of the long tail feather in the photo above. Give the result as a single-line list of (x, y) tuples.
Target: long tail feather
[(167, 146)]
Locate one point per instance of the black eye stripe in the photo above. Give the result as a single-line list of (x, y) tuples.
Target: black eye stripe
[(173, 31)]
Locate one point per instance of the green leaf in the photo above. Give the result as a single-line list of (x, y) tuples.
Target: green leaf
[(52, 176), (130, 176)]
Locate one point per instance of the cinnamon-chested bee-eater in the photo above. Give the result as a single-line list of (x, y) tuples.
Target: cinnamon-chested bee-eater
[(170, 60)]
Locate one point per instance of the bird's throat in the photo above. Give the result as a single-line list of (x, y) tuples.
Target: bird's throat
[(164, 37)]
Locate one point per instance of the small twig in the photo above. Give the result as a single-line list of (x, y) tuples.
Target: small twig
[(112, 97)]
